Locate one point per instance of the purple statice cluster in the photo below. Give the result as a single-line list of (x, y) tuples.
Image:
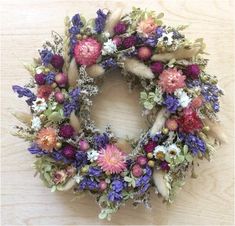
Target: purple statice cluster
[(144, 182), (100, 21), (100, 140), (211, 94), (72, 103), (94, 171), (25, 92), (80, 159), (50, 78), (109, 63), (171, 103), (75, 30), (88, 183), (35, 150), (117, 186), (46, 56), (195, 143)]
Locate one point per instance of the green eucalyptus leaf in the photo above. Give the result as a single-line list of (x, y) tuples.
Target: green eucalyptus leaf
[(55, 117)]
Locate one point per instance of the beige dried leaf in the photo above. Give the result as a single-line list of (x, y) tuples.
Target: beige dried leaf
[(160, 120), (95, 70), (73, 73), (138, 68), (75, 122), (112, 20), (23, 117)]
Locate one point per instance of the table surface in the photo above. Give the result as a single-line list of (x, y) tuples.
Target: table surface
[(25, 201)]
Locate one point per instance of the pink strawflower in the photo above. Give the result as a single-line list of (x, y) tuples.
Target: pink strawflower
[(171, 80), (111, 159), (87, 51), (147, 27)]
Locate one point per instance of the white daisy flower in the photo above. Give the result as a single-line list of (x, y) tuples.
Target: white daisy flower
[(183, 98), (36, 123), (173, 150), (92, 155), (39, 105), (109, 47), (159, 152), (167, 38)]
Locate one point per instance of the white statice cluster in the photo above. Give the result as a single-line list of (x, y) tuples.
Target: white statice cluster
[(109, 47), (78, 178), (92, 155), (39, 105), (183, 97), (36, 123)]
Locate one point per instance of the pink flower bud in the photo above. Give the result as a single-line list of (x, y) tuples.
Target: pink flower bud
[(102, 185), (61, 79), (59, 97), (137, 171), (171, 124), (142, 160), (84, 145), (144, 53)]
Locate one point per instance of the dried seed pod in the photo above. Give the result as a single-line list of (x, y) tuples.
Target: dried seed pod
[(95, 70), (160, 183), (23, 117), (73, 73), (161, 118), (138, 68), (112, 20), (124, 145), (179, 54), (75, 122)]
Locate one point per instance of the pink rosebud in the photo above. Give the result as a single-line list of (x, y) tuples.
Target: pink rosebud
[(144, 53), (59, 97), (142, 160), (149, 147), (171, 124), (137, 171), (61, 79), (102, 185), (84, 145)]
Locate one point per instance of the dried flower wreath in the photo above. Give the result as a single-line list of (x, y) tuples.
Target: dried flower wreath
[(179, 98)]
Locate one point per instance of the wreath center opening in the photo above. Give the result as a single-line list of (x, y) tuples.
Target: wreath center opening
[(117, 106)]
